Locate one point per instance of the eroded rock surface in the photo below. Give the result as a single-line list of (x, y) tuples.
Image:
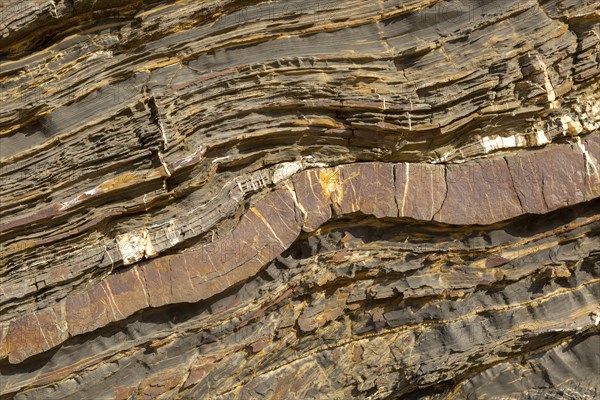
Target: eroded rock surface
[(289, 199)]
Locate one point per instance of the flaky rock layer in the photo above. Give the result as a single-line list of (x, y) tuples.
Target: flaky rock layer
[(288, 199)]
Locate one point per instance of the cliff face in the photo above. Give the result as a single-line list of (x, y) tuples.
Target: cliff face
[(229, 199)]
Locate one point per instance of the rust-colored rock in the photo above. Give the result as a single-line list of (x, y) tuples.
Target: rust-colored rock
[(35, 333), (479, 193), (420, 190), (302, 200)]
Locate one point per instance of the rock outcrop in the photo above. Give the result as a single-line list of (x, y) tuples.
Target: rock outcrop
[(244, 199)]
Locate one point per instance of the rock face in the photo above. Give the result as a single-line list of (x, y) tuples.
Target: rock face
[(299, 200)]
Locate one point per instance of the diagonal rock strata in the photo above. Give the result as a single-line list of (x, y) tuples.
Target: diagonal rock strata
[(293, 199), (477, 193)]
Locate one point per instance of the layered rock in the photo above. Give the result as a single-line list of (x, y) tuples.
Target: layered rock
[(288, 200)]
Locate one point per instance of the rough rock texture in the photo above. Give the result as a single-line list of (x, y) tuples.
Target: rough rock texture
[(229, 199)]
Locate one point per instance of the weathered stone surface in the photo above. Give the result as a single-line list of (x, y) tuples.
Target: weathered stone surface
[(87, 310), (291, 199), (591, 156), (157, 277), (313, 190), (366, 188), (35, 333), (479, 193), (420, 190), (551, 179)]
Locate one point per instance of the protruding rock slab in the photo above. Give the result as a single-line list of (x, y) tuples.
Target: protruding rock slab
[(313, 188), (479, 193), (35, 333), (549, 178), (420, 190), (367, 188)]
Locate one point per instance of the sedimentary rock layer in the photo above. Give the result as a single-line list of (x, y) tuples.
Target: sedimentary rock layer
[(224, 199)]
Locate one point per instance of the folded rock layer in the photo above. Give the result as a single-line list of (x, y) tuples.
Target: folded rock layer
[(240, 200)]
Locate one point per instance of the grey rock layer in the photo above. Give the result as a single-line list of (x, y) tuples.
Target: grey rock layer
[(289, 199)]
